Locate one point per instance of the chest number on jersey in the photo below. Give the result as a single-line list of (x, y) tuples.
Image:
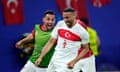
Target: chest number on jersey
[(64, 44)]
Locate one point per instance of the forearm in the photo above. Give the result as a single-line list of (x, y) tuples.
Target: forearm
[(20, 43), (47, 47), (27, 39), (82, 53)]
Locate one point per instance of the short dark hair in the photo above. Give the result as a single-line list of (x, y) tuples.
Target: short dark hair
[(49, 12), (85, 20), (69, 10)]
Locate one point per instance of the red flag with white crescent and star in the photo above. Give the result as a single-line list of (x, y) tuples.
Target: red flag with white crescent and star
[(79, 5), (100, 3), (13, 12)]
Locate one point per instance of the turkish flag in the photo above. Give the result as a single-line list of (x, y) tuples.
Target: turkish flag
[(100, 3), (83, 11), (79, 5), (13, 12)]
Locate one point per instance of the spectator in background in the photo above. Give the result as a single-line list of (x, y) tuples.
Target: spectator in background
[(70, 36), (40, 35), (93, 36)]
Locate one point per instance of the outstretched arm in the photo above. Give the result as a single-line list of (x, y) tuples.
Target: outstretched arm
[(46, 48), (20, 43)]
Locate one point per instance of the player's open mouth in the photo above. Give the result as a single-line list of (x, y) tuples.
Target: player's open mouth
[(49, 25)]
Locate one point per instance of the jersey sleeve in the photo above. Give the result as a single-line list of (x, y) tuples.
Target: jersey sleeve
[(54, 33), (33, 32), (85, 37), (82, 24)]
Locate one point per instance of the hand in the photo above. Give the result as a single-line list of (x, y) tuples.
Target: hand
[(19, 45), (37, 62), (71, 64)]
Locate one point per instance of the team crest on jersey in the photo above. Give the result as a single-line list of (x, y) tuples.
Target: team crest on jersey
[(68, 35)]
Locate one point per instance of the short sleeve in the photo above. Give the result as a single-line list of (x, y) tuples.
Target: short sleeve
[(33, 32), (54, 33), (85, 37)]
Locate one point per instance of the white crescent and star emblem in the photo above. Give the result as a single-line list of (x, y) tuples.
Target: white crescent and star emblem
[(97, 3), (67, 35), (13, 10), (68, 3)]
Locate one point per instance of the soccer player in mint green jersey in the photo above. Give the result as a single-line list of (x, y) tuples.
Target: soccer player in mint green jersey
[(40, 35)]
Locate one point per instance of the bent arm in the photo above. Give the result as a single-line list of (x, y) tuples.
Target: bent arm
[(83, 52), (84, 45), (47, 47), (80, 56), (24, 40)]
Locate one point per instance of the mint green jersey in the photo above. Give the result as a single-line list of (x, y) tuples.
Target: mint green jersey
[(41, 39)]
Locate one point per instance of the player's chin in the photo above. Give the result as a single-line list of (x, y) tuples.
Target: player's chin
[(50, 28)]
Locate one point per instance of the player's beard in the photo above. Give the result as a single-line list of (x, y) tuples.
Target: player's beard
[(69, 23), (49, 26)]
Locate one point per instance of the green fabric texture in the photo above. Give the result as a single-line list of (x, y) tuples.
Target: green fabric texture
[(93, 40), (41, 39)]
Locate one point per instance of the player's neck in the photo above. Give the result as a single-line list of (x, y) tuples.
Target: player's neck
[(74, 22), (43, 28)]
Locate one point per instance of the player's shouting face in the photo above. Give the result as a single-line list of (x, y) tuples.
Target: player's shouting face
[(49, 21), (69, 17)]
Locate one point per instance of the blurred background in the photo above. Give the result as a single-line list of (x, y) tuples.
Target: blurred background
[(19, 16)]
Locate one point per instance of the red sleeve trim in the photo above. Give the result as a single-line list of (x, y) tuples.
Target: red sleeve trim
[(82, 24), (33, 32)]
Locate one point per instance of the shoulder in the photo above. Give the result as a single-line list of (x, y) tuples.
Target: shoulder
[(37, 25), (60, 23), (81, 28), (82, 24), (91, 29)]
